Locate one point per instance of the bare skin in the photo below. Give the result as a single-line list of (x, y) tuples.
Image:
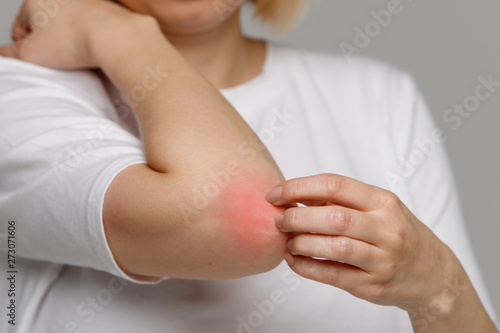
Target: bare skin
[(154, 214)]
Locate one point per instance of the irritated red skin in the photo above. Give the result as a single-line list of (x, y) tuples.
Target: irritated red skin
[(250, 218)]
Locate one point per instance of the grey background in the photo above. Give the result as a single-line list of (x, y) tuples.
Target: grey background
[(445, 45)]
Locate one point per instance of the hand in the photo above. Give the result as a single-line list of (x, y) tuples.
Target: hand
[(374, 247), (59, 35)]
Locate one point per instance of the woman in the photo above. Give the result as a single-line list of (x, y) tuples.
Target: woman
[(162, 182)]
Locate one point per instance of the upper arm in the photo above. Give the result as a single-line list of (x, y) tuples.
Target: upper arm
[(81, 186)]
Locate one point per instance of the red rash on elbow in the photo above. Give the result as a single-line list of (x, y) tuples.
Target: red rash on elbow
[(250, 218)]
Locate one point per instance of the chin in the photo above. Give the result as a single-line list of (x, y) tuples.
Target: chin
[(186, 17)]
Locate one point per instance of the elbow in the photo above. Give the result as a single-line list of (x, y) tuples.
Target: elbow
[(250, 230), (232, 236)]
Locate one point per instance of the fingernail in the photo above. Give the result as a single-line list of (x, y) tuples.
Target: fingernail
[(289, 259), (279, 221), (274, 194)]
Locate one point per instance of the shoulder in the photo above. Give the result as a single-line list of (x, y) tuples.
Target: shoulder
[(24, 82), (43, 105)]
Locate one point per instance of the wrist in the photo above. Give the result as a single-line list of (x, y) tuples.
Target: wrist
[(112, 39), (134, 56), (445, 283), (451, 296)]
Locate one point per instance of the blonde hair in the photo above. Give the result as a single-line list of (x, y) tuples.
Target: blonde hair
[(281, 14)]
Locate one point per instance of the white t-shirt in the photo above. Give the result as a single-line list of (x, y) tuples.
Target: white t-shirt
[(63, 139)]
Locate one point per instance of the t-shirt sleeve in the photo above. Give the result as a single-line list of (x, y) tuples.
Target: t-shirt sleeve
[(425, 170), (59, 152)]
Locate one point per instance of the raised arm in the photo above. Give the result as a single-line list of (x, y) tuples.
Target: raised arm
[(197, 209)]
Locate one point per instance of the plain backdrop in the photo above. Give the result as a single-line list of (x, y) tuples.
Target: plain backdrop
[(446, 45)]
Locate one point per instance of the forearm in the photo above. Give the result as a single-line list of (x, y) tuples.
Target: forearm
[(198, 209), (182, 117), (456, 308)]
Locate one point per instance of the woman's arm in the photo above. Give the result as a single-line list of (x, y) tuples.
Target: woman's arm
[(203, 163), (197, 209)]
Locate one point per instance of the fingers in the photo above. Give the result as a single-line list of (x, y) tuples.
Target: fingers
[(331, 220), (340, 275), (338, 189), (337, 248)]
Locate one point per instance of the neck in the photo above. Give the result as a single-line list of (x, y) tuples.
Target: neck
[(223, 54)]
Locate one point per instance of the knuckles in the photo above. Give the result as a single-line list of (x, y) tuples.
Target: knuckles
[(391, 201), (375, 293), (327, 247), (342, 248), (292, 189), (332, 275), (394, 223), (291, 219), (330, 185), (334, 184), (339, 220)]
